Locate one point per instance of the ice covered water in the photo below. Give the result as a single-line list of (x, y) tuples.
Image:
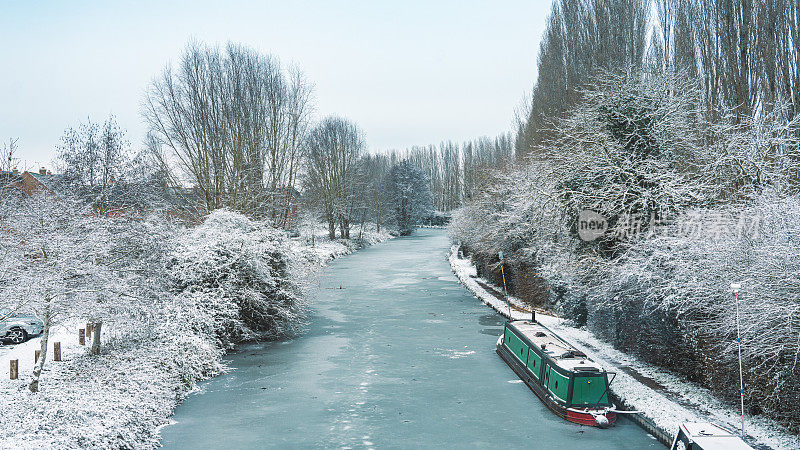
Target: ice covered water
[(394, 359)]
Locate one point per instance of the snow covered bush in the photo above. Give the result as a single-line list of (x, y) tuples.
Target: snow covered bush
[(682, 276), (638, 148), (227, 280), (243, 273)]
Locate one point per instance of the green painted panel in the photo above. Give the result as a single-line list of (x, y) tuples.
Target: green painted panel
[(558, 385), (515, 344), (534, 363), (587, 390)]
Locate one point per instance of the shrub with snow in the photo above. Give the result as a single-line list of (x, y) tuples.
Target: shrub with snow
[(227, 280), (684, 281), (243, 273)]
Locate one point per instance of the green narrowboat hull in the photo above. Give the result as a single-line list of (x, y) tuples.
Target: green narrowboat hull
[(542, 371)]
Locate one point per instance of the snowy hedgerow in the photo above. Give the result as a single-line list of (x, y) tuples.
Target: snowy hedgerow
[(243, 272), (685, 279), (638, 146), (630, 150)]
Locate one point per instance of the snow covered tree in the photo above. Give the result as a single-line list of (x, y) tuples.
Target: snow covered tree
[(60, 262), (410, 196), (630, 152), (373, 170), (99, 167), (8, 154), (54, 263), (233, 122), (333, 150), (94, 159)]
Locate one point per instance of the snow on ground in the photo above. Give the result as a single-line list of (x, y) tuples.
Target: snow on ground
[(115, 400), (121, 398), (662, 397), (67, 334), (317, 246)]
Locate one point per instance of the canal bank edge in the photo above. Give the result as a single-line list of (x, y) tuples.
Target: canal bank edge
[(319, 251), (669, 402)]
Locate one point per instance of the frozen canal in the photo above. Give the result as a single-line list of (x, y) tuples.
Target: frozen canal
[(402, 357)]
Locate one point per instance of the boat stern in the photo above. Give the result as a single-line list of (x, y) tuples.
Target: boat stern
[(601, 418)]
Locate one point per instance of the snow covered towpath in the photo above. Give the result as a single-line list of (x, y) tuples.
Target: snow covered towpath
[(664, 399)]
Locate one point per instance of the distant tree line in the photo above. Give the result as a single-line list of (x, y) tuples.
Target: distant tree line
[(232, 128), (457, 171)]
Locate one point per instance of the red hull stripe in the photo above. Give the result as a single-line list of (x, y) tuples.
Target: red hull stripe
[(588, 419)]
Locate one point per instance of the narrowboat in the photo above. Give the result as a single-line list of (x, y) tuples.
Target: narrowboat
[(564, 378), (706, 436)]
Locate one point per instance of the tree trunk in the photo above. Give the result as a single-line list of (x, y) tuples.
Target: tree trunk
[(331, 228), (37, 368), (363, 219), (96, 337), (378, 212)]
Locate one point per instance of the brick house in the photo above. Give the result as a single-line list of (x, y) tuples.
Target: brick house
[(28, 183)]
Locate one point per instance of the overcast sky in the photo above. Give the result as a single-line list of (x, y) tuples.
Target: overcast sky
[(409, 72)]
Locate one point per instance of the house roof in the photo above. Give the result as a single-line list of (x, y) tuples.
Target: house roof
[(50, 181)]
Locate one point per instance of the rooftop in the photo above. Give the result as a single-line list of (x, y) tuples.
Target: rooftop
[(713, 437), (562, 353)]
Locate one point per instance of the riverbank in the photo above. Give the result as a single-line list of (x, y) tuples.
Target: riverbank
[(396, 353), (663, 398), (122, 397)]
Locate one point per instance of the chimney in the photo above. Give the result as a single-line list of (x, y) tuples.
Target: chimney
[(15, 171), (42, 171)]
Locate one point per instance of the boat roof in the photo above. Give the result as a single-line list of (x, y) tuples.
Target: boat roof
[(562, 353), (712, 437)]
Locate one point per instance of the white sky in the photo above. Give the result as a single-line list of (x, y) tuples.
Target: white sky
[(409, 72)]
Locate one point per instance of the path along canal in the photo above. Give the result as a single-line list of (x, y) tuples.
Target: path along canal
[(401, 357)]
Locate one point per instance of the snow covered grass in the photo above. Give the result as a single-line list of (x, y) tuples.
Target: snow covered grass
[(114, 400), (665, 399), (316, 247), (217, 284)]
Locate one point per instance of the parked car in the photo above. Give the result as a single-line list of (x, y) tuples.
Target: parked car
[(16, 328)]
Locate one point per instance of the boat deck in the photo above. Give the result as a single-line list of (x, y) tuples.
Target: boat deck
[(561, 352)]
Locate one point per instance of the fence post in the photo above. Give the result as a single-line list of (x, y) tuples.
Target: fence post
[(14, 369), (88, 331), (56, 351), (81, 336), (36, 355)]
